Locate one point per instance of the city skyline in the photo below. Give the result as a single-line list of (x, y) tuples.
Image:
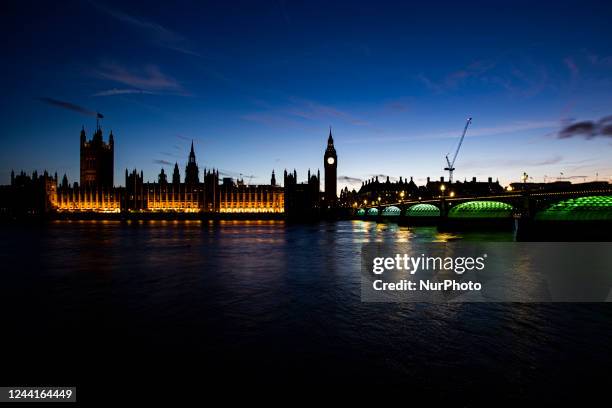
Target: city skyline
[(396, 82)]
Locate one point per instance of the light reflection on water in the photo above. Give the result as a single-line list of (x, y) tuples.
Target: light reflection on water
[(276, 296)]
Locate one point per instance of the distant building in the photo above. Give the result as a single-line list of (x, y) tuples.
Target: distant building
[(374, 190)]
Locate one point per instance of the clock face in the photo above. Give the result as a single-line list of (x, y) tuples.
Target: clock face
[(330, 160)]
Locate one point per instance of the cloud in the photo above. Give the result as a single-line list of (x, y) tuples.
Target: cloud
[(163, 162), (67, 105), (572, 67), (275, 120), (601, 61), (148, 79), (382, 177), (115, 91), (186, 138), (508, 128), (300, 111), (515, 72), (397, 106), (311, 110), (453, 79), (588, 129), (350, 180), (156, 33), (548, 161), (171, 154), (521, 162)]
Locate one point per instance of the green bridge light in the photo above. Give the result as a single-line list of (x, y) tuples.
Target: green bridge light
[(391, 211), (593, 208), (373, 212), (361, 212), (423, 210), (481, 209)]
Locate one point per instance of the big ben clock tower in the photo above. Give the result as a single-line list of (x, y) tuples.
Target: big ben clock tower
[(330, 161)]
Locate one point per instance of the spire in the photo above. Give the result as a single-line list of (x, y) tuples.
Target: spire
[(192, 158), (330, 139), (176, 175), (273, 179)]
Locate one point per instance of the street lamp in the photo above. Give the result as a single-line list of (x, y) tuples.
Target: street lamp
[(442, 188), (452, 194)]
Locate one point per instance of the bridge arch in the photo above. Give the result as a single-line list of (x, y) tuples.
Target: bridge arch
[(391, 211), (361, 212), (373, 212), (481, 209), (422, 210), (590, 208)]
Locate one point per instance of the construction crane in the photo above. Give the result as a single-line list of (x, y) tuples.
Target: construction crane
[(451, 164)]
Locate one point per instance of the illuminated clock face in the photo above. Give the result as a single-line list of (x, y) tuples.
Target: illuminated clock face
[(330, 160)]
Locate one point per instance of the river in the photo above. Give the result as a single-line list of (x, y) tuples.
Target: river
[(252, 302)]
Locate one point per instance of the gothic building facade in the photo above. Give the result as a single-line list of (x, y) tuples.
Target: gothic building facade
[(95, 191), (97, 159)]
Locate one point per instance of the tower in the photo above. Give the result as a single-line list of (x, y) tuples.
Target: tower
[(97, 159), (176, 175), (273, 179), (330, 161), (162, 179), (192, 174)]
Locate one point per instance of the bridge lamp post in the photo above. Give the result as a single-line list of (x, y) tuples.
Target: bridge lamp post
[(452, 194), (402, 195), (442, 202)]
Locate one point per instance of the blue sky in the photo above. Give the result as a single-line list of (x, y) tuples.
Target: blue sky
[(257, 84)]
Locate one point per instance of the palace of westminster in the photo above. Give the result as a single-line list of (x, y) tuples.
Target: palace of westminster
[(96, 192)]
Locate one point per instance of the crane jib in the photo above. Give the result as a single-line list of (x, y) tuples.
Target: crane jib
[(451, 164)]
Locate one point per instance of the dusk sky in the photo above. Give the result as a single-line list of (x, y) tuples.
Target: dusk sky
[(256, 85)]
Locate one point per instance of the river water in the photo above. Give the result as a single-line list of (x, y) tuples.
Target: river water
[(262, 302)]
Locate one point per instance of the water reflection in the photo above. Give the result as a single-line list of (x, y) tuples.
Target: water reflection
[(267, 297)]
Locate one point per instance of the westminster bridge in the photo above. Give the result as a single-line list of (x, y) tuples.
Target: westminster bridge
[(573, 205)]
